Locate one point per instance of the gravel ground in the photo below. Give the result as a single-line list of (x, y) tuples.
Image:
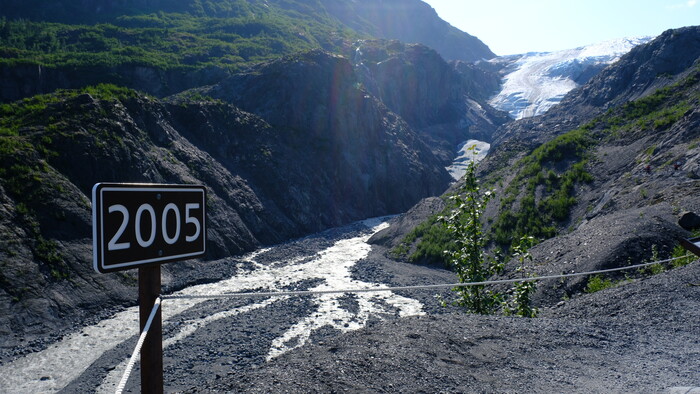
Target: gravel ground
[(642, 336), (240, 342)]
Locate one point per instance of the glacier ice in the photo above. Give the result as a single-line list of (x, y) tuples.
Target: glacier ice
[(536, 81)]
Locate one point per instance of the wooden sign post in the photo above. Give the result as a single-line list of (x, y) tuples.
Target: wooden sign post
[(152, 351), (142, 226)]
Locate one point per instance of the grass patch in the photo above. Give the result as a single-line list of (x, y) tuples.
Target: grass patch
[(683, 256), (597, 283)]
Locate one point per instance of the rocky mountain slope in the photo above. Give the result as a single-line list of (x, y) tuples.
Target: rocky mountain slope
[(641, 72), (429, 93), (268, 179), (165, 47), (411, 80), (409, 21), (602, 176), (287, 145)]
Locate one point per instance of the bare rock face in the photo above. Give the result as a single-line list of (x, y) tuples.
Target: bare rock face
[(342, 159), (438, 101), (336, 131)]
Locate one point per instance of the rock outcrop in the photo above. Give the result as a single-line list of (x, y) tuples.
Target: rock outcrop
[(315, 97), (325, 156), (409, 21), (434, 98)]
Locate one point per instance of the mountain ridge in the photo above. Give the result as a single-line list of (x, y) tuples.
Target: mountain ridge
[(411, 21), (163, 48)]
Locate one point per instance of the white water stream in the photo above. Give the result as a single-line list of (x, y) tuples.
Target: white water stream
[(54, 368)]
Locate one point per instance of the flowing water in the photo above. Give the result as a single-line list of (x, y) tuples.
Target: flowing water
[(326, 267)]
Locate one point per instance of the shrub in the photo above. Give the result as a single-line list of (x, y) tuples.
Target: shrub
[(597, 283), (472, 264)]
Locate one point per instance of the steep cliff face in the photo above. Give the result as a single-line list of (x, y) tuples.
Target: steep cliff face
[(410, 21), (317, 99), (435, 99), (412, 80), (266, 183), (482, 79)]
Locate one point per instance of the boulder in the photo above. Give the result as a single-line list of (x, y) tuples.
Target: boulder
[(689, 221)]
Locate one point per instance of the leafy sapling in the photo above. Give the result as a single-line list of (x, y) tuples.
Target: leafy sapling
[(520, 302), (470, 261)]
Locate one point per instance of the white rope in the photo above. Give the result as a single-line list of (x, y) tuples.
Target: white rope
[(419, 287), (137, 349)]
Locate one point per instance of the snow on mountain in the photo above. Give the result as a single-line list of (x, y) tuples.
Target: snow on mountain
[(536, 81)]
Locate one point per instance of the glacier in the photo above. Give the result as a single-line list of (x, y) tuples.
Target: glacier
[(468, 151), (534, 82)]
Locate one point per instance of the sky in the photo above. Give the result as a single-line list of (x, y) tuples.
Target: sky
[(518, 26)]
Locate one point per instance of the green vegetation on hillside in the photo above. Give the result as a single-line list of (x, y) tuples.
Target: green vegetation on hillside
[(538, 174), (246, 33), (31, 111), (469, 259), (542, 193), (540, 197), (29, 130), (657, 111)]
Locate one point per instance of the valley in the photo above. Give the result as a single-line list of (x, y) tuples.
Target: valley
[(200, 329), (304, 118), (255, 344)]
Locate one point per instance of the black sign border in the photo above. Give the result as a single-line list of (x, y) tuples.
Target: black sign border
[(97, 227)]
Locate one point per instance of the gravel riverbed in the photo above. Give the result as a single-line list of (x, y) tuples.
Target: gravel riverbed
[(205, 338), (641, 336)]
